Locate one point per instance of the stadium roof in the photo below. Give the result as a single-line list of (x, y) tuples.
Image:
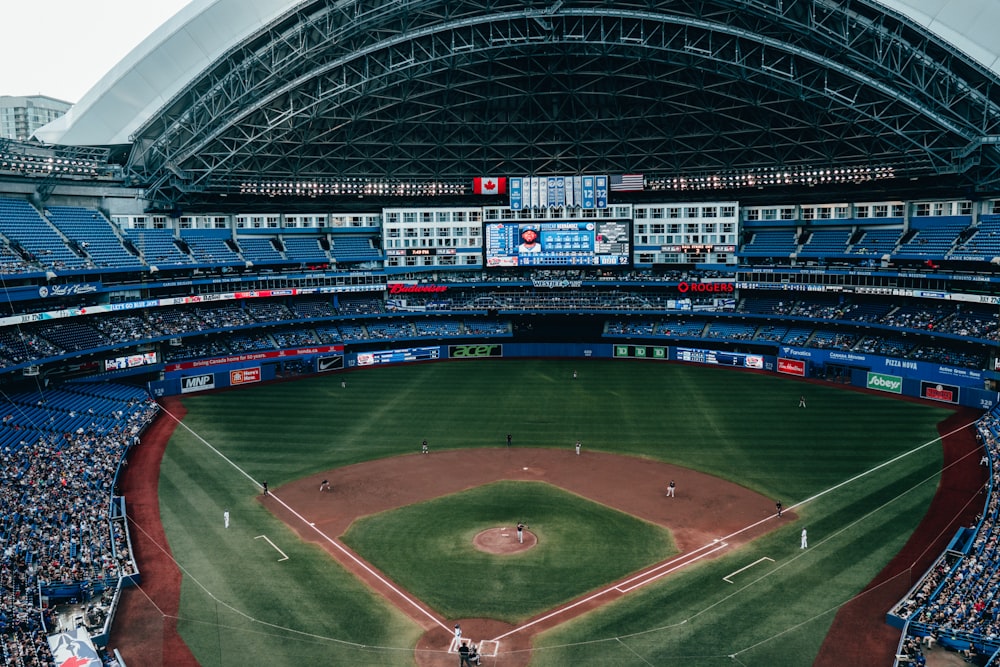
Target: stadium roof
[(230, 91)]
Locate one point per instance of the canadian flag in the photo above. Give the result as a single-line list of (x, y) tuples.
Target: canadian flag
[(489, 185)]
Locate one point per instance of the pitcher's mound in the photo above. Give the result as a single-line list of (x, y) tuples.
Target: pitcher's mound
[(503, 541)]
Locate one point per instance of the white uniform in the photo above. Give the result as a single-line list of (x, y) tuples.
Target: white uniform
[(805, 540), (225, 518)]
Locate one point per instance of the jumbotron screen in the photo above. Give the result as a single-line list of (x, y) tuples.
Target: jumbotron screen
[(585, 243)]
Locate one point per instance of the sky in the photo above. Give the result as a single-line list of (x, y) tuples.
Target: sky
[(68, 45)]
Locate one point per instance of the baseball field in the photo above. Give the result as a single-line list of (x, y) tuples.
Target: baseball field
[(377, 569)]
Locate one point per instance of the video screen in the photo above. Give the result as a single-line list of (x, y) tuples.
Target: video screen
[(587, 243), (130, 361)]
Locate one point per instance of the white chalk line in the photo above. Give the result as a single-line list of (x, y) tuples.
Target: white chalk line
[(564, 609), (746, 567), (735, 533), (284, 556), (360, 563)]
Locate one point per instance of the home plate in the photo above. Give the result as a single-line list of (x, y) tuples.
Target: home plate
[(525, 468)]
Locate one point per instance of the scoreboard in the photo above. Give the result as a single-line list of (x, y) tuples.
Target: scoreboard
[(720, 358), (584, 243), (399, 356), (690, 354)]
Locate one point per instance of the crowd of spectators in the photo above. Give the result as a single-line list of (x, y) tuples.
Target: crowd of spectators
[(57, 527), (957, 602), (245, 325)]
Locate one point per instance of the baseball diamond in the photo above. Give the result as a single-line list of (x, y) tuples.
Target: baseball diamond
[(515, 334), (713, 520)]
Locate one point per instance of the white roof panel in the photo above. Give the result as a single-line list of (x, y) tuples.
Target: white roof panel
[(969, 25), (156, 70), (177, 52)]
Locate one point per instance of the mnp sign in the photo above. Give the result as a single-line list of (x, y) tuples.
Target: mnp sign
[(192, 383), (883, 382)]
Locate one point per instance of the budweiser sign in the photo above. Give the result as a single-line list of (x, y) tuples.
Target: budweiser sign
[(403, 288)]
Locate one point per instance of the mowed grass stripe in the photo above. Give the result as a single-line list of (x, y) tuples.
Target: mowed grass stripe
[(699, 620), (244, 574), (741, 426)]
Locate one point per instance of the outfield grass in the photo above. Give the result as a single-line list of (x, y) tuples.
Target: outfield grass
[(740, 426), (427, 548)]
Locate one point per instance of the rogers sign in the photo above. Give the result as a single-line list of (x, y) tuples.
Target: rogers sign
[(403, 288), (705, 287)]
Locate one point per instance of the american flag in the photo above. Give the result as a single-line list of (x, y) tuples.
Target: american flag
[(626, 182)]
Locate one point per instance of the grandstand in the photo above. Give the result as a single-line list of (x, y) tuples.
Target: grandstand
[(746, 184)]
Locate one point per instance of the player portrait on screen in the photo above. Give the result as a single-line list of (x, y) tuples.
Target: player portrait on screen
[(529, 241)]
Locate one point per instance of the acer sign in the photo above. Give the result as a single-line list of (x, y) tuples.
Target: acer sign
[(244, 376), (474, 351), (404, 288), (792, 367), (705, 287)]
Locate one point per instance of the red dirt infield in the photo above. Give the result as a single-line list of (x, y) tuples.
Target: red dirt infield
[(704, 510)]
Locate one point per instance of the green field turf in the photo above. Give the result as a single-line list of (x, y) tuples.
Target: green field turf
[(427, 548), (740, 426)]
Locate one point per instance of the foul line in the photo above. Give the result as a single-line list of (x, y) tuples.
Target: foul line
[(283, 554), (643, 578), (721, 542), (669, 566), (360, 563)]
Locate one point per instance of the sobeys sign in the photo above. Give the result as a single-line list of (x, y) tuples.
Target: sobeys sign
[(883, 382)]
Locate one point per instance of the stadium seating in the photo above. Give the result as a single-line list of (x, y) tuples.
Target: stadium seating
[(985, 242), (260, 250), (304, 249), (770, 243), (46, 438), (354, 249), (211, 247), (934, 237), (877, 241), (824, 242), (94, 235), (159, 248), (21, 223)]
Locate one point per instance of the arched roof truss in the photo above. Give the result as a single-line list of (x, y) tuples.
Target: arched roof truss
[(445, 90)]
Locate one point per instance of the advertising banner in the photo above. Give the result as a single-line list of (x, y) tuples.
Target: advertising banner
[(791, 366), (475, 351), (946, 393), (193, 383), (244, 376), (882, 382)]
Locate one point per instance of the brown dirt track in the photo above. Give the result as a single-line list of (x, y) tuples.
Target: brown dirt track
[(705, 508)]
